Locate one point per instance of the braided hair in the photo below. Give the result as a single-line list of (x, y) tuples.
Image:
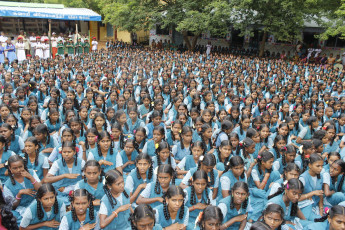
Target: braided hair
[(185, 130), (90, 198), (305, 160), (341, 164), (208, 160), (275, 147), (43, 190), (4, 141), (237, 185), (101, 115), (8, 220), (140, 212), (110, 178), (43, 129), (166, 168), (94, 132), (286, 150), (10, 128), (205, 127), (78, 121), (237, 148), (234, 161), (290, 167), (144, 156), (199, 174), (12, 159), (68, 144), (291, 184), (221, 146), (335, 210), (314, 158), (273, 208), (101, 136), (172, 191), (35, 142), (117, 126)]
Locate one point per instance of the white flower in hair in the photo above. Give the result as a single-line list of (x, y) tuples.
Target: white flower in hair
[(285, 182), (201, 158)]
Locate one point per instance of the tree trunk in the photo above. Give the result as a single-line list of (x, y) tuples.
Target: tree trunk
[(190, 44), (262, 44)]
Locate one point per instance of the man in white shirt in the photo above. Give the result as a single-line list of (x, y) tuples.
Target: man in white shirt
[(32, 40), (3, 39)]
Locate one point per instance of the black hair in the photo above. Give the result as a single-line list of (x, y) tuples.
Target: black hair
[(9, 127), (36, 143), (140, 212), (144, 156), (93, 163), (69, 144), (93, 131), (101, 115), (199, 174), (285, 150), (276, 208), (77, 119), (314, 158), (234, 161), (260, 226), (335, 210), (90, 198), (238, 148), (104, 134), (305, 161), (276, 140), (166, 168), (44, 189), (237, 185), (162, 145), (210, 213), (242, 119), (291, 184), (208, 160), (110, 178), (117, 126), (204, 127), (43, 129), (341, 163), (173, 190), (222, 144), (3, 140), (8, 220), (247, 142), (225, 125), (290, 167), (185, 130)]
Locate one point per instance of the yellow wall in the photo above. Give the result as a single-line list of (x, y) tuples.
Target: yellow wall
[(93, 29), (103, 33), (124, 36)]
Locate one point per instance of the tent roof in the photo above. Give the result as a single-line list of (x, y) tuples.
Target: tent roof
[(46, 11)]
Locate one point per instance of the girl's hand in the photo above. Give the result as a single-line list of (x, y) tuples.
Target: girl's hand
[(240, 218), (160, 199), (142, 186), (130, 163), (27, 191), (2, 165), (177, 226), (253, 163), (52, 224), (200, 206), (26, 174), (61, 189), (104, 162), (317, 193), (88, 227), (123, 208), (71, 176), (97, 202)]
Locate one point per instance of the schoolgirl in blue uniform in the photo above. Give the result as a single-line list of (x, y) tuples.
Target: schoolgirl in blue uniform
[(278, 144), (155, 120), (91, 138), (143, 217), (212, 217), (312, 205), (235, 208), (82, 214), (47, 143), (77, 126), (222, 154), (128, 155), (163, 155), (53, 122), (182, 148), (35, 160), (234, 172), (307, 132), (206, 134), (273, 216), (288, 155), (92, 182), (4, 155), (140, 138), (153, 192), (151, 145), (66, 171), (333, 142), (206, 163), (138, 178), (287, 197), (173, 214), (191, 161), (198, 196), (134, 122), (14, 141), (247, 148), (107, 157), (45, 212), (333, 184), (21, 185), (333, 219), (115, 204), (241, 130)]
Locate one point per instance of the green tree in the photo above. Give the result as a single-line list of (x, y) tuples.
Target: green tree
[(333, 20), (194, 16)]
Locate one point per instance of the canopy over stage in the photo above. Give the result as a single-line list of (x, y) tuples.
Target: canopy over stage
[(46, 11)]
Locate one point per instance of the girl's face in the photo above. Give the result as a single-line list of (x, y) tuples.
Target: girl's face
[(273, 219), (268, 164), (208, 133), (199, 185), (250, 149), (40, 136), (237, 170), (335, 170), (330, 133), (17, 168), (283, 130), (145, 223), (68, 153), (256, 138), (105, 143), (80, 204), (293, 174), (133, 115), (265, 132), (234, 142), (4, 111), (83, 113), (129, 147), (67, 136), (122, 119), (91, 138), (207, 117), (280, 144), (139, 136), (116, 133), (99, 122), (176, 128), (197, 152), (164, 154), (157, 136), (187, 137), (175, 202), (293, 194), (6, 132), (239, 195), (245, 123), (30, 147), (211, 224), (146, 101), (164, 179), (225, 150), (316, 167), (118, 186), (337, 222), (290, 157), (48, 200), (92, 174), (156, 120), (75, 126), (331, 159)]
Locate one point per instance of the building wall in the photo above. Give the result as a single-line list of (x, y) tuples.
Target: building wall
[(124, 36)]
